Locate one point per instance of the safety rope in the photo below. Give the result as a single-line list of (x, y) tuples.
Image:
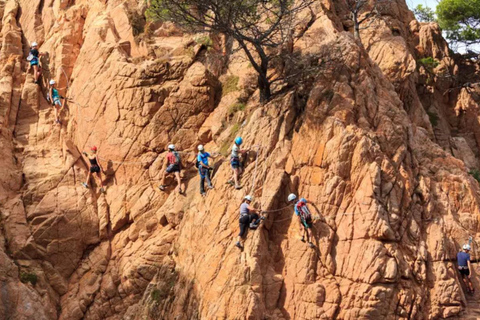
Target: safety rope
[(255, 171)]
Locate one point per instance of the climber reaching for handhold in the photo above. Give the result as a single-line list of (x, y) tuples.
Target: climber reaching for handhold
[(57, 103), (95, 167), (304, 218), (248, 218), (33, 57), (464, 267), (236, 163), (204, 168), (173, 164)]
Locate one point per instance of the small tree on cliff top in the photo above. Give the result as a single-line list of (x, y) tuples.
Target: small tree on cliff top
[(259, 26)]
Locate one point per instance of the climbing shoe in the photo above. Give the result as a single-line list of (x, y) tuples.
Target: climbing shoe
[(161, 187), (239, 245), (203, 194), (311, 245), (302, 239), (238, 187), (210, 187), (85, 185)]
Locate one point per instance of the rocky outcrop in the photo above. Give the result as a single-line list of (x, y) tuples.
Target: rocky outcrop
[(378, 143)]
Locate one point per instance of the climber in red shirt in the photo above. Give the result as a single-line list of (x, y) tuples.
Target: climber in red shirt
[(173, 165)]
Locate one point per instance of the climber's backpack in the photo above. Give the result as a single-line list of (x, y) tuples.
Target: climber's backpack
[(177, 157), (305, 214)]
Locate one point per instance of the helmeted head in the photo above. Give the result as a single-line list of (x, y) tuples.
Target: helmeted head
[(248, 198), (52, 82), (303, 200), (171, 147), (467, 247), (201, 148), (238, 141), (34, 44), (291, 197), (94, 149)]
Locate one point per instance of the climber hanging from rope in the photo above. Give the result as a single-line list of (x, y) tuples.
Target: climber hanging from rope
[(173, 164), (55, 98), (95, 167), (249, 218), (464, 267), (33, 57), (204, 168), (235, 162), (304, 218)]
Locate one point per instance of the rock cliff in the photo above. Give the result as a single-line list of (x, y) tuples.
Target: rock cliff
[(385, 147)]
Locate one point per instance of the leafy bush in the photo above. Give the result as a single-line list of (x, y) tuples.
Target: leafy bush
[(433, 118), (137, 21), (225, 148), (424, 14), (28, 277), (205, 41), (230, 85), (429, 63), (234, 108)]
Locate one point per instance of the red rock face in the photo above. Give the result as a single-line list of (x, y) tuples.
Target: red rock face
[(372, 140)]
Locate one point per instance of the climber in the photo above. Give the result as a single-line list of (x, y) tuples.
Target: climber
[(95, 167), (33, 57), (204, 169), (304, 218), (464, 266), (248, 218), (53, 93), (236, 163), (173, 164)]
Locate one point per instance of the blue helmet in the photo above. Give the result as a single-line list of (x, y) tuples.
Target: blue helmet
[(303, 200), (238, 140)]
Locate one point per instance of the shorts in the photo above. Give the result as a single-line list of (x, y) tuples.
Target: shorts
[(57, 102), (173, 168), (235, 162), (94, 169), (34, 62), (245, 223), (464, 272), (308, 224)]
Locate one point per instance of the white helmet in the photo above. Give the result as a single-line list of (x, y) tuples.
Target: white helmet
[(235, 148), (34, 44), (171, 147), (291, 197), (52, 82), (467, 247), (249, 198), (201, 148)]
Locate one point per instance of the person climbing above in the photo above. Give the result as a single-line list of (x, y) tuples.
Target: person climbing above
[(204, 168), (304, 218), (95, 167), (57, 104), (464, 266), (33, 57), (236, 163), (173, 165), (248, 218)]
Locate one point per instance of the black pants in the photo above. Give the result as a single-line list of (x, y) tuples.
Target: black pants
[(204, 174), (245, 223)]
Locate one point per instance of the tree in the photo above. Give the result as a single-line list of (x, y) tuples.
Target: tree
[(424, 14), (259, 26), (460, 19), (362, 11)]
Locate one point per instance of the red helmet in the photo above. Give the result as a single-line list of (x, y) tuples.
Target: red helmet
[(94, 148)]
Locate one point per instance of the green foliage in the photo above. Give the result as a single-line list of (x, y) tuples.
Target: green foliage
[(433, 118), (424, 14), (156, 295), (28, 277), (230, 85), (234, 108), (225, 148), (205, 41), (460, 19), (429, 63), (475, 174)]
